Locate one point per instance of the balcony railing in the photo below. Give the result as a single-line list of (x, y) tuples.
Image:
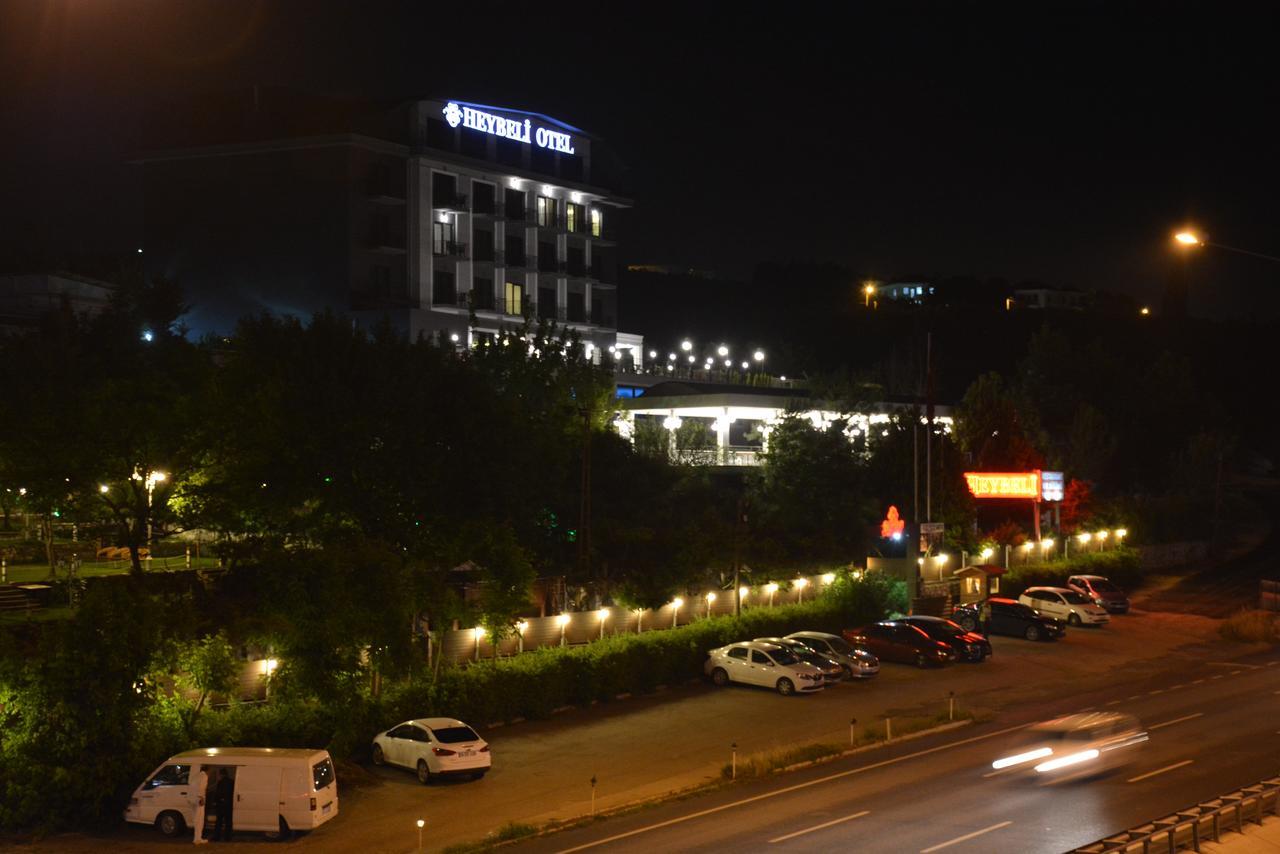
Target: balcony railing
[(513, 261), (485, 207), (449, 201), (450, 249), (520, 214)]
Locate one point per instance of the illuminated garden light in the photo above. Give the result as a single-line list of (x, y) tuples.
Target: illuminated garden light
[(828, 577), (758, 355), (722, 350)]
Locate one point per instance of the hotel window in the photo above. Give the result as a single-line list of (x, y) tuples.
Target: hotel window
[(597, 222), (515, 298), (514, 201), (546, 211), (443, 236), (573, 216), (444, 290)]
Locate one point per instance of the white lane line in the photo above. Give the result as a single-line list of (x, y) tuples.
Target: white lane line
[(820, 826), (1157, 691), (1176, 721), (1172, 767), (1218, 676), (787, 789), (1234, 664), (1272, 663), (965, 838), (1118, 702), (1136, 697), (1197, 682), (1235, 672), (1176, 687)]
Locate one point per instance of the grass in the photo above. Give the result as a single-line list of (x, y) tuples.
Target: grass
[(1249, 626), (509, 832), (763, 764)]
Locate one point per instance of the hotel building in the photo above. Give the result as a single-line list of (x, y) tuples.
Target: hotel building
[(437, 217)]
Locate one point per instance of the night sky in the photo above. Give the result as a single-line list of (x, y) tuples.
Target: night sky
[(1057, 146)]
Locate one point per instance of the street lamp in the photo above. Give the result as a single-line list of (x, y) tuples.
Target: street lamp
[(722, 350), (758, 355), (771, 588), (675, 610), (479, 630), (800, 585), (152, 478), (1191, 239), (711, 598), (521, 628), (868, 291), (686, 345), (562, 620)]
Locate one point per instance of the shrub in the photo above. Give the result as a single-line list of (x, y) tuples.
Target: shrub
[(1250, 627), (1121, 565)]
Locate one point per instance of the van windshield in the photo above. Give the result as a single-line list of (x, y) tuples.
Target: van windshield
[(322, 774)]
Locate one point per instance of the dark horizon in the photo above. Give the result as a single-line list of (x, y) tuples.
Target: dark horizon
[(1057, 147)]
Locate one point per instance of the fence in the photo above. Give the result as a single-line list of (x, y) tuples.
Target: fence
[(580, 627), (1190, 827)]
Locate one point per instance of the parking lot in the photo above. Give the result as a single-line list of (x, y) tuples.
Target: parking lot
[(649, 746)]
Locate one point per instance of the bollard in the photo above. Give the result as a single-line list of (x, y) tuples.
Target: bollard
[(951, 705), (733, 761), (853, 722), (421, 824), (593, 794), (888, 730)]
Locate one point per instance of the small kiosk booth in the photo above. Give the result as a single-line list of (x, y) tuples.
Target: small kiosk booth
[(978, 582)]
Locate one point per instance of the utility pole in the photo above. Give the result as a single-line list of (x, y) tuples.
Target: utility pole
[(739, 521), (584, 509), (928, 436)]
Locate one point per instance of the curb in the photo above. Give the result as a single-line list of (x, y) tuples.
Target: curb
[(947, 727)]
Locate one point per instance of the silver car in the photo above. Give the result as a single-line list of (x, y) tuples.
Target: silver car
[(832, 671), (857, 663)]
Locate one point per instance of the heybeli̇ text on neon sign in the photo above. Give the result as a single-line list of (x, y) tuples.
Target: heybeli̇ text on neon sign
[(1025, 484), (520, 131)]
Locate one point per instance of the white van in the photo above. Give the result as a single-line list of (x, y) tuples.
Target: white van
[(277, 790)]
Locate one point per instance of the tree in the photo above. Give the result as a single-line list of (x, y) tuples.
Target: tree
[(998, 429)]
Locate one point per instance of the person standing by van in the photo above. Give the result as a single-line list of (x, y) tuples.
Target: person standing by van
[(199, 788), (223, 799), (984, 618)]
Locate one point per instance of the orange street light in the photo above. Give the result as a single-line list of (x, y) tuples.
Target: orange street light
[(868, 291), (1190, 239)]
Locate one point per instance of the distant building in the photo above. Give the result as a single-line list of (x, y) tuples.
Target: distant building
[(1049, 298), (422, 215), (25, 298), (905, 292)]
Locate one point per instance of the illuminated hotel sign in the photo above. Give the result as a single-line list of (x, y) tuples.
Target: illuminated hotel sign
[(1052, 485), (514, 129), (1024, 484)]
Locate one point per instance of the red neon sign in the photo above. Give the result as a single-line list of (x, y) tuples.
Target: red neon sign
[(892, 525), (1024, 484)]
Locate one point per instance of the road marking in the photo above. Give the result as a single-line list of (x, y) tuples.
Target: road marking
[(1172, 767), (1197, 682), (820, 826), (966, 837), (1235, 672), (1157, 691), (1118, 702), (787, 789), (1272, 663), (1218, 676), (1176, 687), (1177, 721), (1234, 664), (1136, 697)]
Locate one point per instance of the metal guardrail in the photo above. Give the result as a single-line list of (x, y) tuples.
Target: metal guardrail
[(1188, 828)]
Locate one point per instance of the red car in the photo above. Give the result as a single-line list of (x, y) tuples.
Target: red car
[(892, 640)]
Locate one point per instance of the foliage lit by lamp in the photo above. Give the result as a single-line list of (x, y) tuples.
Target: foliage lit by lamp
[(828, 577), (986, 553)]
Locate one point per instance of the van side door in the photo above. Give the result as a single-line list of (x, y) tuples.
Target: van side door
[(258, 798)]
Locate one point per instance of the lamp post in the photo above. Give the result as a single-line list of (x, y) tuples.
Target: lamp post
[(711, 599), (1192, 240), (421, 824), (868, 291), (675, 611), (771, 588), (603, 614), (521, 628), (153, 477), (562, 620), (801, 584)]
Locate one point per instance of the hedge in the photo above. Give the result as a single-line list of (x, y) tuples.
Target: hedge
[(1121, 565)]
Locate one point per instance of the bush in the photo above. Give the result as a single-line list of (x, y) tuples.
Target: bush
[(1250, 627), (1121, 565)]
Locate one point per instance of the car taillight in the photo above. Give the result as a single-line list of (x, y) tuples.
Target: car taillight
[(443, 751), (313, 804), (484, 749)]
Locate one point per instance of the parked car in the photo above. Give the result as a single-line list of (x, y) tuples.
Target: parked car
[(1101, 591), (857, 663), (892, 640), (277, 790), (1063, 603), (433, 747), (1074, 746), (831, 670), (764, 664), (1011, 618), (969, 646)]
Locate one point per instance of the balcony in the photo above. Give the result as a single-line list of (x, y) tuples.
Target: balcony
[(513, 261), (456, 202), (449, 249), (485, 207), (551, 222)]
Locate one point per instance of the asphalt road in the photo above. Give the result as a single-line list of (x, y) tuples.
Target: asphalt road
[(1212, 730)]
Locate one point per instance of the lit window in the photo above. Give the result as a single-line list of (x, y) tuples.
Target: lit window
[(515, 298), (597, 222), (546, 211), (571, 217)]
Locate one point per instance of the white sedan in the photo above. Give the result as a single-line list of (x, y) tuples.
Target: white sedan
[(433, 747), (1065, 604), (764, 664)]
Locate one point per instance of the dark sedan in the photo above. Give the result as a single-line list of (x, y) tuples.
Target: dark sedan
[(896, 641), (1011, 618), (969, 646)]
